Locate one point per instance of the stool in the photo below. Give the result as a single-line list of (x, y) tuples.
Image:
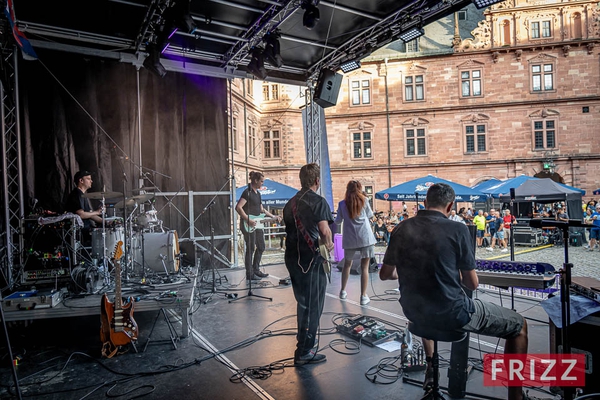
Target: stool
[(426, 332)]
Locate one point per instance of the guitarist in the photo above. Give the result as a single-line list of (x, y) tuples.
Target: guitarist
[(250, 204), (307, 217)]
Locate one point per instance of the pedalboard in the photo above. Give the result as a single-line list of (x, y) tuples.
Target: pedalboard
[(366, 330)]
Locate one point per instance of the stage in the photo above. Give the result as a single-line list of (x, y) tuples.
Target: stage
[(241, 349)]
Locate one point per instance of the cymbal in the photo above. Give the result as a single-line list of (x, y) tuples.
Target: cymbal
[(144, 189), (128, 203), (101, 195), (141, 198)]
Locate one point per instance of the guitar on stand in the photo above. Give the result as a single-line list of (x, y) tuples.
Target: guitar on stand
[(118, 328), (260, 222)]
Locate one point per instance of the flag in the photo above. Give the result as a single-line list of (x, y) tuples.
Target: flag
[(22, 42)]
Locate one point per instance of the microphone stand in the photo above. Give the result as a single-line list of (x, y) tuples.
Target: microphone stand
[(565, 301), (213, 290)]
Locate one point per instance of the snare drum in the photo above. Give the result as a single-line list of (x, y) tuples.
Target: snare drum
[(159, 247), (113, 235)]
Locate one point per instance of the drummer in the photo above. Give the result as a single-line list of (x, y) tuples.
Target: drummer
[(80, 205)]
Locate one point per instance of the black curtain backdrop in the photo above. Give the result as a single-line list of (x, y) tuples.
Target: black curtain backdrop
[(82, 113)]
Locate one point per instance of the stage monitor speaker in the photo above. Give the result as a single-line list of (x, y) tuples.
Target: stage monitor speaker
[(328, 88), (581, 335)]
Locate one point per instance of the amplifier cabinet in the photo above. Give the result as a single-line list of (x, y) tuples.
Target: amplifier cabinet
[(583, 337), (528, 238)]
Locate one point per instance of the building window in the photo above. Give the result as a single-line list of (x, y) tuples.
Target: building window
[(470, 83), (462, 15), (412, 46), (544, 134), (251, 141), (234, 133), (414, 88), (541, 29), (369, 192), (475, 138), (272, 144), (542, 77), (270, 92), (361, 92), (506, 33), (415, 142), (250, 87), (577, 29), (361, 143)]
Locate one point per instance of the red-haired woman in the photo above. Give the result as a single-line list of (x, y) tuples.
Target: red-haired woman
[(358, 238)]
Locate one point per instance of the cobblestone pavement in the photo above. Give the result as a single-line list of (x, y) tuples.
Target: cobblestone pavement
[(585, 262)]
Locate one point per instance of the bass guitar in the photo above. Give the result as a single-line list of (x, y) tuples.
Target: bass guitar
[(118, 327), (260, 222)]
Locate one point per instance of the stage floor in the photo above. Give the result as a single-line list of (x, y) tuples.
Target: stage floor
[(239, 350)]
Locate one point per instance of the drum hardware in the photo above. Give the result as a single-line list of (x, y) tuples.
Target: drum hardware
[(142, 198), (144, 189)]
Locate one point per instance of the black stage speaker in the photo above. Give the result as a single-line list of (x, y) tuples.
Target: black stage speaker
[(328, 88), (581, 336)]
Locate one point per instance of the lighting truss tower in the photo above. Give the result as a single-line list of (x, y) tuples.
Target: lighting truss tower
[(312, 128), (11, 163)]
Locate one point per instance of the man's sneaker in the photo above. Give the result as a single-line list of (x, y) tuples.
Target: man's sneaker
[(364, 300), (504, 250), (254, 277), (489, 249), (343, 294), (260, 274), (310, 358)]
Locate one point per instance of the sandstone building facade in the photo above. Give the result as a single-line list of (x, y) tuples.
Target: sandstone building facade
[(512, 90)]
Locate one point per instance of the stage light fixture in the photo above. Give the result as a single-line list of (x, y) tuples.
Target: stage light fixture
[(272, 49), (412, 34), (152, 61), (349, 66), (485, 3), (180, 16), (256, 66), (311, 13)]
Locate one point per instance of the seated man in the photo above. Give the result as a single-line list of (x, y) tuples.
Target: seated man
[(432, 258), (78, 204)]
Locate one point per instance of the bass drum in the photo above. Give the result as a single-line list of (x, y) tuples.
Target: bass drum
[(158, 247)]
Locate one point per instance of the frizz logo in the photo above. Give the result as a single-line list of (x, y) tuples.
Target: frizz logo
[(534, 370)]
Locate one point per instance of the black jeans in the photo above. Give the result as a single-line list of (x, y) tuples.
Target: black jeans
[(309, 291), (255, 247)]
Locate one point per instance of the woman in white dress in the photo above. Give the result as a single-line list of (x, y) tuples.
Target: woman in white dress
[(358, 238)]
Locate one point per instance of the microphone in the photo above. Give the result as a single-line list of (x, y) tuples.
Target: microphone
[(540, 222)]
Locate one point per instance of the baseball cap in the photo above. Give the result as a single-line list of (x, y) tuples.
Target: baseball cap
[(80, 174)]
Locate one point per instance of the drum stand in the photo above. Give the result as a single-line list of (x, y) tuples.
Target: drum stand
[(213, 290)]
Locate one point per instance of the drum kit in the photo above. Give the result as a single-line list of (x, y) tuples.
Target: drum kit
[(151, 249)]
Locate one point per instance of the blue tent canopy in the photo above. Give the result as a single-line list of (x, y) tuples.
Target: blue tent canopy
[(504, 186), (486, 184), (409, 191), (273, 193)]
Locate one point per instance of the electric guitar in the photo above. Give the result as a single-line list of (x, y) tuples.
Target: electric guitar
[(118, 327), (326, 262), (260, 222)]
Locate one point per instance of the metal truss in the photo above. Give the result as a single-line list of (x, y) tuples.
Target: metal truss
[(312, 132), (11, 162)]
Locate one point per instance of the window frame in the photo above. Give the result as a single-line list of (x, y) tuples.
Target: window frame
[(538, 29), (415, 138), (274, 144), (361, 90), (270, 92), (363, 144), (471, 81), (252, 141), (413, 85), (542, 74), (476, 134), (544, 131)]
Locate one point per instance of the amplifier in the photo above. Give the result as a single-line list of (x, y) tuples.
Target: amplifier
[(587, 287), (30, 300)]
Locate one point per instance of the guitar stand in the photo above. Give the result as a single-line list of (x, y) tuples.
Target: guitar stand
[(173, 337)]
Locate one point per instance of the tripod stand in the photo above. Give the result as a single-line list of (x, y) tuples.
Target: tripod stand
[(213, 290), (250, 248)]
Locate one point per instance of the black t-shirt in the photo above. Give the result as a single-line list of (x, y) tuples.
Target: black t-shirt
[(253, 204), (428, 252), (76, 202), (311, 209)]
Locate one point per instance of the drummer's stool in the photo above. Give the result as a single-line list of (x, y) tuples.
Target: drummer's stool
[(433, 392)]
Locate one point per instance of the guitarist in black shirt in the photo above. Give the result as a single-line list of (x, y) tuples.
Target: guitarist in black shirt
[(252, 216)]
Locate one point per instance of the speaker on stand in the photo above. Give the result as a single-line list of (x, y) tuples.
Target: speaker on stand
[(328, 88)]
